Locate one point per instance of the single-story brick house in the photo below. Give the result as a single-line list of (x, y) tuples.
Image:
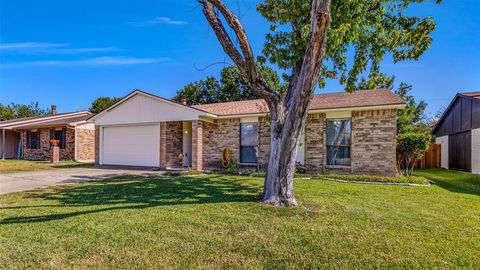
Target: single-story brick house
[(29, 138), (345, 132)]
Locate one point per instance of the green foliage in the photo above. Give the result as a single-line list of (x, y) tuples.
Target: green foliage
[(231, 87), (232, 167), (102, 103), (411, 145), (413, 113), (14, 111), (365, 30)]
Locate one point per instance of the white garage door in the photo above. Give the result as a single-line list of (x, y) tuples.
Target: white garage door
[(131, 145)]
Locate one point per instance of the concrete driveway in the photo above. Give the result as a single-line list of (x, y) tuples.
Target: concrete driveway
[(21, 181)]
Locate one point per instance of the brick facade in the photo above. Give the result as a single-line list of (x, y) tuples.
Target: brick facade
[(372, 149), (374, 142), (85, 144), (315, 142), (173, 144), (43, 151), (216, 137)]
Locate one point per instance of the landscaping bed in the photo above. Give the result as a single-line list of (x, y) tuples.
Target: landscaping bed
[(419, 180)]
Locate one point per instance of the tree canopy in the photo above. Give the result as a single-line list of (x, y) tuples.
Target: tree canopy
[(232, 86), (102, 103), (413, 114), (14, 111), (362, 32)]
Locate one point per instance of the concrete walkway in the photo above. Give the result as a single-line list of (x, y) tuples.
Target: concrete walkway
[(21, 181)]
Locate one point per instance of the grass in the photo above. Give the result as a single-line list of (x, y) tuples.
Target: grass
[(359, 178), (214, 221), (14, 165)]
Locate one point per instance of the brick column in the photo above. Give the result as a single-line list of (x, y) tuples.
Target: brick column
[(97, 145), (197, 145), (54, 154), (163, 145)]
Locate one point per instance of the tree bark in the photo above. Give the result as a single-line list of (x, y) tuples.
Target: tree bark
[(287, 113)]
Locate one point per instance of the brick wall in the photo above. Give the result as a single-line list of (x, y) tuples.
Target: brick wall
[(374, 142), (173, 144), (216, 137), (197, 145), (85, 144), (97, 145), (315, 142), (43, 152), (263, 141)]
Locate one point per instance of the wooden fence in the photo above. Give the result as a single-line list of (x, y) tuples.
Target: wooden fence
[(431, 159)]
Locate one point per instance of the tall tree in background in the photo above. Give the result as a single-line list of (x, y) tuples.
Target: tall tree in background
[(233, 86), (14, 111), (102, 103), (413, 114), (298, 44)]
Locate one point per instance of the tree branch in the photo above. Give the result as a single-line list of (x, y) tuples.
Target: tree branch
[(245, 63)]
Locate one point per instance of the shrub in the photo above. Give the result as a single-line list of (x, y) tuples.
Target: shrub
[(411, 145)]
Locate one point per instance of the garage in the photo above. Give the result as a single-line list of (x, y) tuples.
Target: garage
[(137, 145), (146, 130)]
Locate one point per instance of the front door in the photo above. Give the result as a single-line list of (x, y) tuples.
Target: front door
[(187, 143)]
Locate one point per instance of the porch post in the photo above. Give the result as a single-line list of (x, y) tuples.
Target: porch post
[(163, 145), (197, 145), (3, 144)]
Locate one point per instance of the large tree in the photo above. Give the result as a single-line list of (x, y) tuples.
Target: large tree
[(310, 41), (233, 86), (14, 110), (102, 103)]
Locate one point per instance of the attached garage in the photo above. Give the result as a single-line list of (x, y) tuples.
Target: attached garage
[(146, 130), (137, 145)]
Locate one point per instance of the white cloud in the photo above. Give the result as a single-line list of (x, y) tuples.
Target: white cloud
[(50, 48), (159, 20), (30, 45), (98, 61)]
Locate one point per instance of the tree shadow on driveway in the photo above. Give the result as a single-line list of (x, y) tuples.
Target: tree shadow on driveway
[(139, 192)]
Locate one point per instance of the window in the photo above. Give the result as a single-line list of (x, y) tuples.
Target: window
[(248, 142), (338, 142), (33, 139), (58, 135)]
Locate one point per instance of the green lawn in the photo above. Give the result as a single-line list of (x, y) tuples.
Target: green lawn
[(14, 165), (214, 221)]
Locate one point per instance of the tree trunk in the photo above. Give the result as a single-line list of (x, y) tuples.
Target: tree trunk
[(287, 112), (278, 186)]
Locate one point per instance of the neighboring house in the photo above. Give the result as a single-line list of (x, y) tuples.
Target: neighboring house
[(344, 132), (458, 131), (32, 136)]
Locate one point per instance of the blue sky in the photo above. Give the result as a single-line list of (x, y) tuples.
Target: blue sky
[(70, 52)]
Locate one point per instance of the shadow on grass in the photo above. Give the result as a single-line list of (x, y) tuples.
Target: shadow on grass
[(139, 192), (454, 181)]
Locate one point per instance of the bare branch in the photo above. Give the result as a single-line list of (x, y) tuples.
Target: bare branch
[(246, 62)]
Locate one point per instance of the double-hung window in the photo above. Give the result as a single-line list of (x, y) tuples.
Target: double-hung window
[(33, 139), (338, 141), (249, 142), (60, 136)]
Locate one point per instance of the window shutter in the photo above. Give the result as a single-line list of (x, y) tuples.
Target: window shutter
[(27, 134), (64, 136)]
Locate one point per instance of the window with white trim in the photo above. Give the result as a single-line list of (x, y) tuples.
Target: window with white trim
[(339, 133), (249, 142)]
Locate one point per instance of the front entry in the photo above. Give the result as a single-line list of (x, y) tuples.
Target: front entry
[(301, 149), (187, 144)]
